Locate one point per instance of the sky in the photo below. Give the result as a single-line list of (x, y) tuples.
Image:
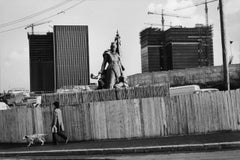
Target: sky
[(104, 18)]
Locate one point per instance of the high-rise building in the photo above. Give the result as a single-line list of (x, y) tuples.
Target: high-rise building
[(41, 62), (151, 40), (71, 54), (182, 48), (190, 47), (59, 59)]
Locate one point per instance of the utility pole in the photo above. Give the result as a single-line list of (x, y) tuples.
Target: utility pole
[(224, 53)]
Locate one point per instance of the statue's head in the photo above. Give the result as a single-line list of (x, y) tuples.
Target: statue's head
[(113, 46)]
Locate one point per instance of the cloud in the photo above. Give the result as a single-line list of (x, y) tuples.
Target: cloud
[(16, 65), (182, 7), (169, 8), (21, 55), (6, 64), (151, 7), (232, 7), (171, 5), (17, 59)]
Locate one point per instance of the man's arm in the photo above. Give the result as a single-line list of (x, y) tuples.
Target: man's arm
[(55, 118)]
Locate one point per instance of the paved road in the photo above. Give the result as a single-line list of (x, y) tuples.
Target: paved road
[(220, 155)]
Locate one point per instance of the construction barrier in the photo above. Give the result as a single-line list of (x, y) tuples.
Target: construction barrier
[(136, 117)]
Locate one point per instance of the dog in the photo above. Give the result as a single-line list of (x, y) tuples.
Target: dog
[(33, 138)]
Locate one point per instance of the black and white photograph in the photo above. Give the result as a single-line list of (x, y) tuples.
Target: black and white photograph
[(120, 79)]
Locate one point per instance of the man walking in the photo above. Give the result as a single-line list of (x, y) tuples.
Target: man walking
[(57, 124)]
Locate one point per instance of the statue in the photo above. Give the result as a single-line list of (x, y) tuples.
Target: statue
[(112, 76)]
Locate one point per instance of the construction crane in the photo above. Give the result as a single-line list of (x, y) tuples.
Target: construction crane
[(168, 15), (198, 4), (36, 24)]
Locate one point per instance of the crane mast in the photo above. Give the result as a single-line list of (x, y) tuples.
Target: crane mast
[(206, 12), (36, 24), (198, 4), (168, 15)]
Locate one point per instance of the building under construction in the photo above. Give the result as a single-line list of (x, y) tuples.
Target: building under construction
[(176, 48), (151, 49), (41, 62), (59, 59)]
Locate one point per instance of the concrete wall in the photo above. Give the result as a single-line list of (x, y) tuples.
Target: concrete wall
[(204, 76)]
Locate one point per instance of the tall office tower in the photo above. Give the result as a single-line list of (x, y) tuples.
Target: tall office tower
[(189, 47), (41, 62), (151, 40), (71, 54)]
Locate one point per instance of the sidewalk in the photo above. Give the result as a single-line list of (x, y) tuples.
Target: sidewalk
[(209, 142)]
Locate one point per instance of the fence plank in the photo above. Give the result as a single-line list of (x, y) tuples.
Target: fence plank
[(229, 107), (148, 119), (195, 112), (158, 116), (87, 122), (165, 103), (234, 108), (134, 106), (208, 111), (238, 108), (176, 113), (101, 114), (92, 121), (75, 123), (2, 126), (215, 112)]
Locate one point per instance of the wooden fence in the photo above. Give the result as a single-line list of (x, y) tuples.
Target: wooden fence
[(18, 122), (204, 113), (128, 118)]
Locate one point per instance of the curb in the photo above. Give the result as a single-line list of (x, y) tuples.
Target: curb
[(128, 150)]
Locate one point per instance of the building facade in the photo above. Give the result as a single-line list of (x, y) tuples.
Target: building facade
[(59, 59), (182, 48), (71, 54), (41, 62), (151, 40)]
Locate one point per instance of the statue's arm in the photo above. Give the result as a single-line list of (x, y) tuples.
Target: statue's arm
[(122, 67), (103, 63)]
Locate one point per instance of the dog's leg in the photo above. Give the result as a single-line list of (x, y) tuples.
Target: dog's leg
[(41, 140), (30, 143)]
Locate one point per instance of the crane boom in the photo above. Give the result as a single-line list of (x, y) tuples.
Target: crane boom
[(168, 15), (36, 24), (195, 5), (198, 4)]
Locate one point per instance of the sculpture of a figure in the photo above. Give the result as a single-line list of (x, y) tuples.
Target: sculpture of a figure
[(113, 74)]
